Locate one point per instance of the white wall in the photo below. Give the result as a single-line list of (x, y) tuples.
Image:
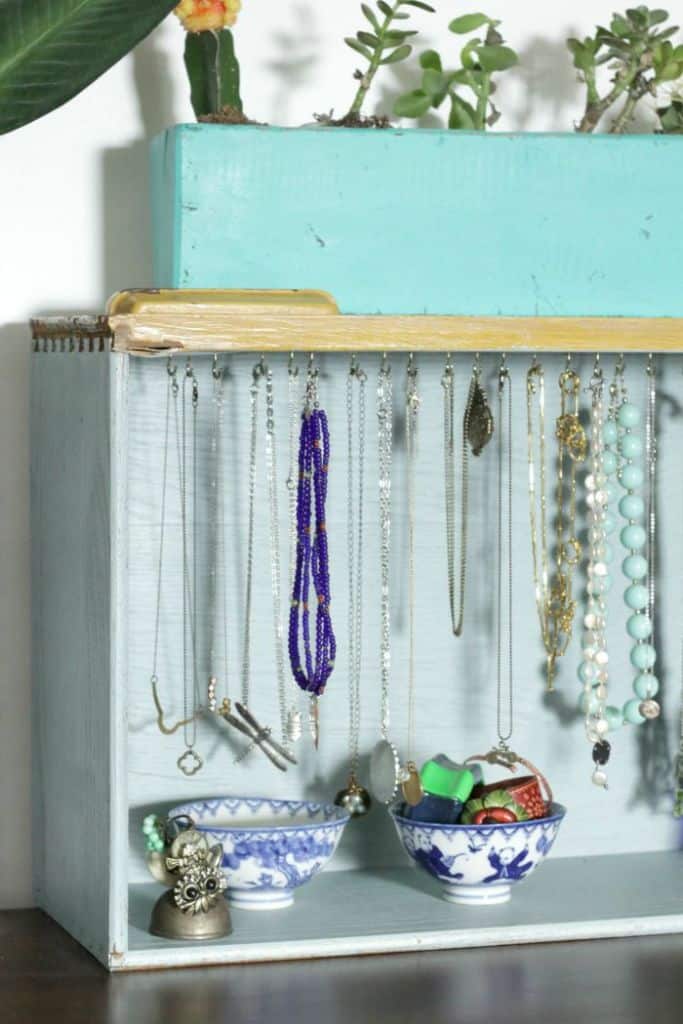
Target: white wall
[(73, 229)]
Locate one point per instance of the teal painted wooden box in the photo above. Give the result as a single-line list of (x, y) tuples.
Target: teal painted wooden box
[(424, 221), (387, 222)]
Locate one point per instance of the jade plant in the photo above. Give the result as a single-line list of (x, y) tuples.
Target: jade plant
[(470, 86), (638, 51), (385, 43)]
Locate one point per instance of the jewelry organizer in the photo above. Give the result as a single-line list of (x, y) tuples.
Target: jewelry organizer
[(102, 766), (98, 409)]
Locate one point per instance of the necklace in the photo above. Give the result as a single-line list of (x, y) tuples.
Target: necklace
[(620, 430), (355, 798), (554, 602), (171, 397), (411, 785), (259, 736), (219, 608), (385, 765), (594, 671), (189, 762), (294, 401), (312, 560), (477, 430)]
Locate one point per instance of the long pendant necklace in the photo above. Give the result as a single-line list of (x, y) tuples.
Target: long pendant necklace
[(501, 754), (354, 797), (312, 560), (616, 446), (217, 561), (189, 762), (411, 785), (385, 765), (477, 430), (246, 723), (172, 391), (594, 671), (554, 601)]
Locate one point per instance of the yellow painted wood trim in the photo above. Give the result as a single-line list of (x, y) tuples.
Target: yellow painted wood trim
[(159, 332), (213, 301)]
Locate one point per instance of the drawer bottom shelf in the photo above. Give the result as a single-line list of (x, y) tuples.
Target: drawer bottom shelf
[(345, 913)]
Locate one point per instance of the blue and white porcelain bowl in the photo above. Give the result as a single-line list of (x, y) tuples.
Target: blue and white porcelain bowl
[(479, 864), (270, 847)]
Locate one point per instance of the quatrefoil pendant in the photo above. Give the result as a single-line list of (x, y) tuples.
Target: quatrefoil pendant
[(190, 762)]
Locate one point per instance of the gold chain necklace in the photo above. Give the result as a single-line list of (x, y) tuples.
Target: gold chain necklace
[(554, 601)]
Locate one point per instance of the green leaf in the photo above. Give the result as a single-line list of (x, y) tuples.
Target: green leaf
[(358, 47), (584, 58), (396, 36), (620, 26), (433, 83), (462, 116), (398, 55), (657, 16), (368, 39), (371, 16), (213, 70), (412, 104), (421, 5), (468, 23), (669, 72), (468, 51), (386, 10), (431, 59), (496, 58), (50, 53)]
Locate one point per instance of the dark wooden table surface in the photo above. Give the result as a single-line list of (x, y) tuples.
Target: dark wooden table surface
[(46, 977)]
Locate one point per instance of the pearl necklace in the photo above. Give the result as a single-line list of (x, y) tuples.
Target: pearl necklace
[(618, 429)]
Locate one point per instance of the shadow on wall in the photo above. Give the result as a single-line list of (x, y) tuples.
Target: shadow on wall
[(15, 748), (296, 59), (126, 234)]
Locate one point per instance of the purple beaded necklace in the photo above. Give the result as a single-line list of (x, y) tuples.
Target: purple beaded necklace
[(312, 561)]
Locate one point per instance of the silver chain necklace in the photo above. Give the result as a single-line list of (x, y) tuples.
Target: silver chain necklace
[(504, 731), (294, 402), (189, 762), (411, 785), (171, 397), (217, 560), (355, 798)]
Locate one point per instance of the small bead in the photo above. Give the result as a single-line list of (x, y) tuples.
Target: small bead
[(650, 709), (636, 596), (588, 703), (639, 626), (632, 506), (632, 713), (631, 446), (643, 656), (628, 415), (599, 778), (633, 536), (609, 432), (646, 685), (601, 692), (614, 717), (601, 752), (609, 523), (631, 477), (635, 567), (586, 672), (609, 463)]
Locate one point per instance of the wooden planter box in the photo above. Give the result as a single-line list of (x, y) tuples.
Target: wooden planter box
[(388, 222)]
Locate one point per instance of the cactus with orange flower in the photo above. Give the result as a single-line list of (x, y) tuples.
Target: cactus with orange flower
[(212, 66)]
